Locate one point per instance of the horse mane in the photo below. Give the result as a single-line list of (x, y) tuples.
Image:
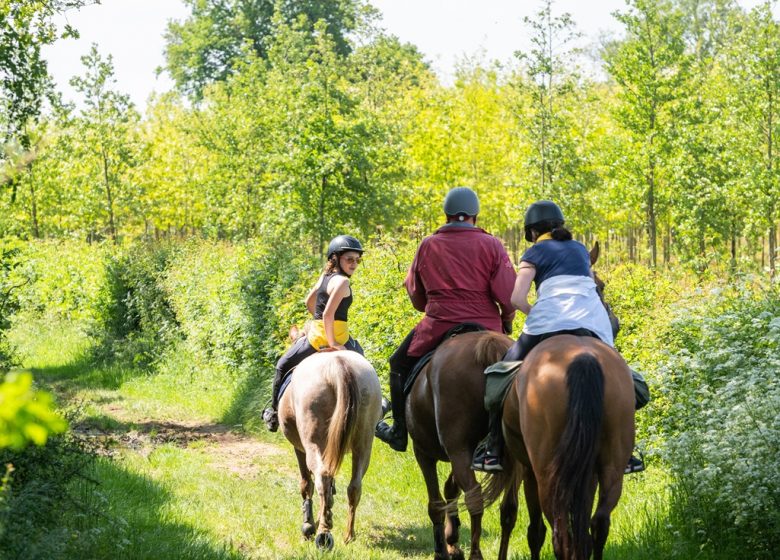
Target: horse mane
[(341, 427), (490, 348)]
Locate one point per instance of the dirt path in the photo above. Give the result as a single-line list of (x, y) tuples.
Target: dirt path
[(228, 450)]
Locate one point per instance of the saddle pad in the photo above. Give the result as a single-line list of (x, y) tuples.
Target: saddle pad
[(454, 331), (498, 378)]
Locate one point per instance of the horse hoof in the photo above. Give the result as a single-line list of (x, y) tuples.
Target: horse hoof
[(308, 530), (324, 541), (457, 554)]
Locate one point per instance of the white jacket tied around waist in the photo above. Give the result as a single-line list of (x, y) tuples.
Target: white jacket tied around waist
[(569, 302)]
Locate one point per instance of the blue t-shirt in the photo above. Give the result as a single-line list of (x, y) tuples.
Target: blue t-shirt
[(554, 258)]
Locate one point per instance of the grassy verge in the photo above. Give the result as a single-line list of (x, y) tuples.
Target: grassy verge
[(177, 481)]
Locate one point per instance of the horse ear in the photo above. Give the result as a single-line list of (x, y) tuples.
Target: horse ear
[(594, 254)]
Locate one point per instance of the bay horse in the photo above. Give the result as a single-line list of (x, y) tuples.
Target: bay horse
[(568, 424), (446, 419), (330, 407)]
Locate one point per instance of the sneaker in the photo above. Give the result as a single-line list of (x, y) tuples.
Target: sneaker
[(485, 461), (391, 436), (271, 419), (635, 464)]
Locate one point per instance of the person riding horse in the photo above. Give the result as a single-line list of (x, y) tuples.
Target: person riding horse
[(459, 274), (567, 303), (328, 302)]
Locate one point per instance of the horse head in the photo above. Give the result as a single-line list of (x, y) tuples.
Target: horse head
[(613, 320)]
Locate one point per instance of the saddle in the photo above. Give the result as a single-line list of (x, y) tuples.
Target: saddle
[(499, 376), (422, 362)]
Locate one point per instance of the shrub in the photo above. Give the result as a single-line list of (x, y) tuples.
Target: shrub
[(722, 397), (134, 318)]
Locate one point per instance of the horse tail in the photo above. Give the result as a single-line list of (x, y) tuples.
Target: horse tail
[(571, 471), (496, 483), (490, 348), (344, 418)]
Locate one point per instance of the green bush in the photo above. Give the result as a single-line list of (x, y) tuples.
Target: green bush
[(134, 318), (45, 482), (721, 395)]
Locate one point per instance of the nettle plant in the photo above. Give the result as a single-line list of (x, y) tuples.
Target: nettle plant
[(722, 420)]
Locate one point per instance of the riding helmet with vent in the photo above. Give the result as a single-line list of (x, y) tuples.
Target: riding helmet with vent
[(343, 243), (539, 212), (461, 201)]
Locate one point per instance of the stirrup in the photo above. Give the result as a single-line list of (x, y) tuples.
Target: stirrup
[(635, 464)]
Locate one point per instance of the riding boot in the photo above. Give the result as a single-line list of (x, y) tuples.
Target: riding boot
[(487, 455), (395, 436), (270, 414)]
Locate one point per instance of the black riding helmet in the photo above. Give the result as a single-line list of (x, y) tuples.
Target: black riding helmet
[(461, 201), (542, 211), (342, 244)]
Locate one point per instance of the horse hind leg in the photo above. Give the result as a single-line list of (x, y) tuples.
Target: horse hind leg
[(509, 506), (610, 488), (452, 523), (307, 488), (467, 481), (436, 504), (361, 455), (536, 527)]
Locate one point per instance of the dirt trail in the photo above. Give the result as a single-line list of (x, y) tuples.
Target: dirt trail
[(227, 449)]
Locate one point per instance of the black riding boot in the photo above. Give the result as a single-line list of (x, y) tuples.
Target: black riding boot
[(395, 436), (487, 455)]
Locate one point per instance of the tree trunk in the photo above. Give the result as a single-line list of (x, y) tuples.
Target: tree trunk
[(34, 207), (772, 249), (109, 195)]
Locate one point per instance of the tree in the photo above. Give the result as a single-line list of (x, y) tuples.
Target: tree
[(754, 64), (208, 45), (25, 27), (650, 66), (105, 145)]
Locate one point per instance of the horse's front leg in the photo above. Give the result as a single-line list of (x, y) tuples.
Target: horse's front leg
[(307, 488), (436, 504), (452, 525)]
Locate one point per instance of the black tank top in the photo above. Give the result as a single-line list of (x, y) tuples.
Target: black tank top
[(322, 301)]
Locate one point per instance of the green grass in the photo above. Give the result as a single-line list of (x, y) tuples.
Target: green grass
[(178, 486)]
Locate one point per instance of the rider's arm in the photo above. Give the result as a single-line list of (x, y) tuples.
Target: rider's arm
[(501, 285), (522, 286), (414, 285), (311, 297), (338, 289)]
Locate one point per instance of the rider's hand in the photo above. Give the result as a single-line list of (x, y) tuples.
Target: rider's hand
[(507, 327), (332, 348)]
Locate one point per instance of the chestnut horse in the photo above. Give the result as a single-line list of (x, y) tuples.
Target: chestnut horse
[(568, 422), (330, 407), (446, 418)]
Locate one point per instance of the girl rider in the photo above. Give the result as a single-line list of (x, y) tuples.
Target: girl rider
[(328, 302), (567, 302)]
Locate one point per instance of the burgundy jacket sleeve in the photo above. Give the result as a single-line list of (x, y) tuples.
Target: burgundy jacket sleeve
[(414, 285), (503, 282)]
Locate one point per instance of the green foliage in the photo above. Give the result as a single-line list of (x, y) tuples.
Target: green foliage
[(26, 415), (45, 483), (134, 318), (722, 424), (210, 44)]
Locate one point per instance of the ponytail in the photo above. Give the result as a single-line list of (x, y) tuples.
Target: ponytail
[(560, 233)]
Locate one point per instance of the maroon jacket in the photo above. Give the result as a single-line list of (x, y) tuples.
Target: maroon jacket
[(459, 274)]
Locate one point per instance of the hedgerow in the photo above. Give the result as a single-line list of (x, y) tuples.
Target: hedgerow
[(721, 396)]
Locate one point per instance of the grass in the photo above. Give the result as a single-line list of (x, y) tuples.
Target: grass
[(180, 483)]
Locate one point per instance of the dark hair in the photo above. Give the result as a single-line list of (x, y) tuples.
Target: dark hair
[(554, 227), (333, 264)]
